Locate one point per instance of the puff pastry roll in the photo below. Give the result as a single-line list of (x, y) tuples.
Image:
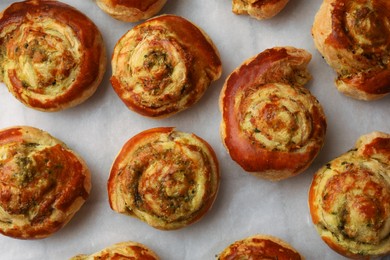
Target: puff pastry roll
[(164, 66), (271, 125), (354, 38), (260, 247), (42, 183), (124, 250), (166, 178), (349, 199), (259, 9), (131, 10), (52, 56)]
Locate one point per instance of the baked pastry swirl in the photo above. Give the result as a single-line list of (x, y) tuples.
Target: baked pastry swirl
[(164, 177), (349, 199), (164, 66), (52, 56), (354, 39), (260, 247), (131, 10), (259, 9), (42, 183), (271, 125), (124, 250)]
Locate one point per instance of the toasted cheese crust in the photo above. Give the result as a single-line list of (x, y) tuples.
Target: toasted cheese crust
[(260, 247), (52, 56), (354, 39), (259, 9), (43, 183), (349, 199), (271, 125), (166, 178), (131, 10), (164, 66), (124, 250)]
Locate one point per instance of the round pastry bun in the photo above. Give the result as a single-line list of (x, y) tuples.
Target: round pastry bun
[(43, 183), (166, 178), (260, 247), (259, 9), (131, 11), (123, 250), (53, 56), (271, 125), (354, 38), (349, 199), (163, 66)]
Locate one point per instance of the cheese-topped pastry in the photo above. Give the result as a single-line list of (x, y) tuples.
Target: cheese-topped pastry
[(271, 125), (259, 9), (349, 199), (131, 10), (124, 250), (260, 247), (166, 178), (43, 183), (354, 38), (52, 56), (164, 66)]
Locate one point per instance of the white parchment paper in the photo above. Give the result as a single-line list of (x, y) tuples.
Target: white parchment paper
[(245, 205)]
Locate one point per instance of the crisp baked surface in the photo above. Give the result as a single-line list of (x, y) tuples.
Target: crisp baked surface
[(164, 66), (166, 178), (52, 56), (131, 10), (271, 125), (354, 39), (349, 199), (259, 9), (43, 183), (124, 250), (259, 247)]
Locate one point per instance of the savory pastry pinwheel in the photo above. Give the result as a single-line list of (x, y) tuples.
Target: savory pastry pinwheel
[(349, 199), (131, 11), (166, 178), (259, 9), (271, 125), (354, 38), (52, 56), (260, 247), (124, 250), (42, 183), (164, 66)]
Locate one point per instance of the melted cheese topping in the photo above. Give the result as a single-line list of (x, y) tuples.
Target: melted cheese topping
[(168, 180)]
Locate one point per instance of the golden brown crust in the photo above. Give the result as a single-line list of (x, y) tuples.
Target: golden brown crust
[(43, 183), (260, 247), (166, 178), (349, 199), (124, 250), (52, 56), (354, 39), (259, 9), (131, 10), (271, 125), (164, 66)]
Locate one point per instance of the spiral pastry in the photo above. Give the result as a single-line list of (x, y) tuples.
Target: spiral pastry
[(124, 250), (354, 39), (349, 199), (166, 178), (260, 247), (131, 10), (42, 182), (271, 125), (259, 9), (163, 66), (52, 56)]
